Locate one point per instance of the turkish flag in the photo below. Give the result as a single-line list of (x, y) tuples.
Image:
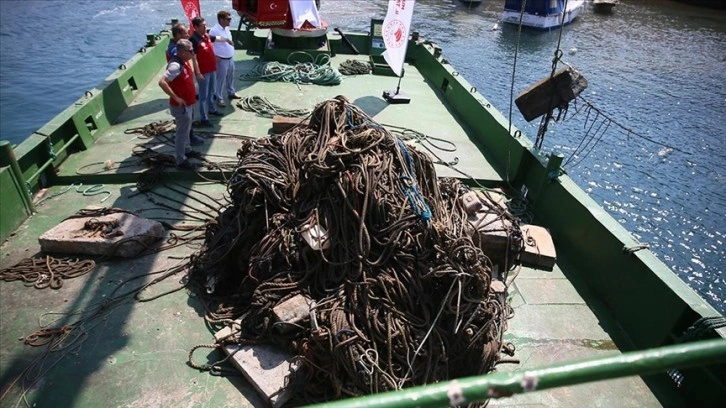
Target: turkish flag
[(191, 9)]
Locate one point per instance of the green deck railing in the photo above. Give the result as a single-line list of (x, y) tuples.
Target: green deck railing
[(473, 389)]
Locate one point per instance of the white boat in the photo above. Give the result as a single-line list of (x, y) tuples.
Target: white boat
[(542, 14), (604, 6)]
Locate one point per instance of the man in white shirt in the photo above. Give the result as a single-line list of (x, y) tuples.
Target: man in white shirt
[(224, 51)]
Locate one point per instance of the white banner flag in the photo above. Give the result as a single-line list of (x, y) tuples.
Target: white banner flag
[(396, 27)]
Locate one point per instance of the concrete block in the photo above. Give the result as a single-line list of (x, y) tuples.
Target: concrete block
[(471, 202), (490, 231), (281, 124), (226, 334), (291, 312), (550, 93), (498, 286), (539, 249), (118, 234), (493, 199), (266, 368)]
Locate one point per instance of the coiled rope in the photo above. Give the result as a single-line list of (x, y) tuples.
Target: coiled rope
[(47, 271), (262, 107), (354, 67), (316, 71)]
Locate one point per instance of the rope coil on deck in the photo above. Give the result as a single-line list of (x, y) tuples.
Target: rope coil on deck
[(263, 107), (47, 271), (316, 72), (354, 67)]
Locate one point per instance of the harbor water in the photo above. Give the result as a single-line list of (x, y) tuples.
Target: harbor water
[(654, 157)]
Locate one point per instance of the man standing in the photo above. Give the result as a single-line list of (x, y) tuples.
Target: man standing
[(178, 83), (224, 51), (180, 31), (207, 62)]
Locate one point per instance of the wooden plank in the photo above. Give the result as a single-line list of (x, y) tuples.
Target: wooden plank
[(539, 249), (281, 124)]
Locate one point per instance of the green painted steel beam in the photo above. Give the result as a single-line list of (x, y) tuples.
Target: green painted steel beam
[(7, 158), (480, 388)]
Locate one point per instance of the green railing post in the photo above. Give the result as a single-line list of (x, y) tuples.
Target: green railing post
[(7, 158), (472, 389)]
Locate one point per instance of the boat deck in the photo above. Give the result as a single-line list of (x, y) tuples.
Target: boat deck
[(426, 113), (125, 352)]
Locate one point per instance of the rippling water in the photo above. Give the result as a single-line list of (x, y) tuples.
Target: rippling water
[(655, 67)]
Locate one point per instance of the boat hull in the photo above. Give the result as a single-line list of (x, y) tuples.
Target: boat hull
[(603, 6), (545, 22)]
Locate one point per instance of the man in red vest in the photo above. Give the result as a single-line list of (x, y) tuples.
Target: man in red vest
[(207, 62), (178, 83)]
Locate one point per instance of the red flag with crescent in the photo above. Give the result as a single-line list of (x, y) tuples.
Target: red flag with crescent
[(191, 10)]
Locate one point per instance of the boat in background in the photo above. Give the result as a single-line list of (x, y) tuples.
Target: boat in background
[(471, 3), (603, 6), (542, 14), (716, 4)]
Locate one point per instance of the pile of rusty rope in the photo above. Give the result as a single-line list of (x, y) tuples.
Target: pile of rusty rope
[(47, 271), (399, 294)]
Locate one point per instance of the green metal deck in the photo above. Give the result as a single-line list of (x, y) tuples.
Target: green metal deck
[(134, 353), (427, 114)]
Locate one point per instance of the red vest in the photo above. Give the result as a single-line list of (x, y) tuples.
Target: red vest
[(183, 84), (205, 55)]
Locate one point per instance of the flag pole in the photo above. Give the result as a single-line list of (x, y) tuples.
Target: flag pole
[(396, 97), (398, 87)]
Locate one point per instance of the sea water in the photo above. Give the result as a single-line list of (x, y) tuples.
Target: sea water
[(656, 70)]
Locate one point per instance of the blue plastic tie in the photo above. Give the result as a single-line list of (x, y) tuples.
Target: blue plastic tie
[(415, 198)]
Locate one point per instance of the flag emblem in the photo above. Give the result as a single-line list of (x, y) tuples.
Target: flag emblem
[(394, 33)]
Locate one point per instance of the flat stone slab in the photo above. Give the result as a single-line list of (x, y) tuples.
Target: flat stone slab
[(291, 312), (266, 368), (118, 234)]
